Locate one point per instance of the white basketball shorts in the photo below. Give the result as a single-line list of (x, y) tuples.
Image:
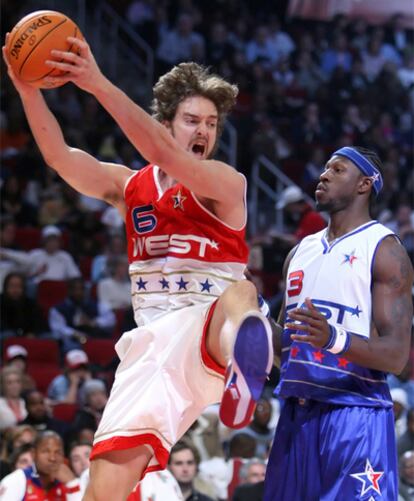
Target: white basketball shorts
[(164, 381)]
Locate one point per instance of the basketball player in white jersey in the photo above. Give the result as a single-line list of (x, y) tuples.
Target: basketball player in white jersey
[(185, 217), (347, 320)]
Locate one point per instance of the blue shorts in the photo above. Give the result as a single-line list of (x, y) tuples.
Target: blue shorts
[(325, 452)]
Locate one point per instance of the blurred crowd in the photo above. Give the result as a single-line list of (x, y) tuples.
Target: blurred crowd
[(306, 88)]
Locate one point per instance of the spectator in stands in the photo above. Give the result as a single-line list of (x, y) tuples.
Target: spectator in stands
[(404, 381), (403, 225), (406, 72), (310, 129), (400, 404), (67, 387), (79, 453), (12, 407), (115, 290), (259, 428), (79, 317), (304, 219), (20, 314), (373, 58), (224, 474), (116, 247), (183, 464), (16, 356), (47, 263), (178, 45), (22, 457), (406, 468), (13, 203), (7, 241), (261, 49), (204, 434), (218, 45), (308, 74), (252, 476), (38, 415), (48, 477), (339, 55), (95, 396), (16, 437), (406, 440), (312, 170), (396, 33), (281, 41)]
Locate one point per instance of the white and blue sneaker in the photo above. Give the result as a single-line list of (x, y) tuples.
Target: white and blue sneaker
[(246, 374)]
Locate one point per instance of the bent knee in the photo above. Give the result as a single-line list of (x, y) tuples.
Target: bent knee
[(243, 289)]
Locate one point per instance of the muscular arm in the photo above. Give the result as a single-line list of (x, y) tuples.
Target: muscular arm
[(79, 169), (392, 312), (387, 348), (207, 178)]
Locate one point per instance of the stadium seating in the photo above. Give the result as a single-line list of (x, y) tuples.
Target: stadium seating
[(50, 293), (41, 351), (65, 412)]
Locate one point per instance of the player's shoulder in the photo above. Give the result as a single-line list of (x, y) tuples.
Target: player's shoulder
[(139, 175), (392, 260)]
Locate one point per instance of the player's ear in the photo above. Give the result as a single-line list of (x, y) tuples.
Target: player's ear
[(167, 123), (365, 184)]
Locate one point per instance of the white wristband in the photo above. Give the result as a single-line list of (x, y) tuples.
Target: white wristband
[(341, 339)]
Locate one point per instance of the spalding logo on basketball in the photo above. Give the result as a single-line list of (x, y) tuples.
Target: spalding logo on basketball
[(33, 38)]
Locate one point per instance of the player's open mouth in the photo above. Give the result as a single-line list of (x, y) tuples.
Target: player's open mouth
[(198, 149)]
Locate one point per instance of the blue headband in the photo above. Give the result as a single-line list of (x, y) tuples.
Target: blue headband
[(364, 165)]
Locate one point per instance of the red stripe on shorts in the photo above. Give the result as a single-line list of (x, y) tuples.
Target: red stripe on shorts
[(123, 443), (206, 358)]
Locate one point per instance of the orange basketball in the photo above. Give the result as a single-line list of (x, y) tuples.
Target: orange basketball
[(31, 41)]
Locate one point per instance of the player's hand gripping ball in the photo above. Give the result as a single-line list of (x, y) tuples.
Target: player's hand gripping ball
[(31, 41)]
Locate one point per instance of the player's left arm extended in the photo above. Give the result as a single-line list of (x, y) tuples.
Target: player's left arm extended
[(387, 348)]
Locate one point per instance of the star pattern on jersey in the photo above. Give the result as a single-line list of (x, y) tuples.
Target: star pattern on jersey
[(343, 362), (182, 284), (369, 478), (356, 311), (206, 286), (318, 356), (141, 284), (214, 245), (350, 258), (294, 351), (164, 283), (179, 200)]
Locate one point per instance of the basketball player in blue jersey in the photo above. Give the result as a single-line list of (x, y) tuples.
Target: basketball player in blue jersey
[(185, 218), (346, 322)]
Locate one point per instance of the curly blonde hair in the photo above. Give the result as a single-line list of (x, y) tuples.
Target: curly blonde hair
[(188, 80)]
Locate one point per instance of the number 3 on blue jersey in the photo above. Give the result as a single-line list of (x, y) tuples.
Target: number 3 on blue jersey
[(295, 283), (144, 219)]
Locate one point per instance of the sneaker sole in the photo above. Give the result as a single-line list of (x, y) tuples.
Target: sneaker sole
[(251, 363)]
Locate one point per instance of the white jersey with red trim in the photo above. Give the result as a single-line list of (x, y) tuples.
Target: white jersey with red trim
[(180, 253)]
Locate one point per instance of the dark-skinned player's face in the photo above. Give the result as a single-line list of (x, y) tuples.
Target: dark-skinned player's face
[(338, 186)]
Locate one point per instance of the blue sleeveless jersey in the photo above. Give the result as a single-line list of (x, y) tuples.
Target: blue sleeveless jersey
[(337, 277)]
